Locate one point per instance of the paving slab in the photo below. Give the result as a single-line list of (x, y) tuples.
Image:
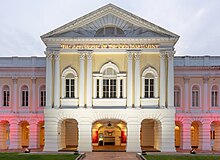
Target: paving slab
[(110, 156)]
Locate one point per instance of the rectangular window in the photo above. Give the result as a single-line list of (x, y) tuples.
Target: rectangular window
[(105, 88), (6, 98), (121, 88), (97, 89), (42, 98), (149, 88), (113, 88), (24, 98), (177, 98), (195, 98), (214, 98), (70, 88)]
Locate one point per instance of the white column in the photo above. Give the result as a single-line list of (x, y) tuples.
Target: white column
[(129, 79), (156, 87), (49, 83), (205, 137), (137, 80), (33, 102), (162, 80), (89, 80), (76, 87), (170, 85), (33, 136), (63, 87), (133, 137), (81, 80), (15, 92), (118, 88), (205, 81), (142, 86), (186, 94), (95, 87), (56, 79), (124, 87), (85, 134), (101, 87)]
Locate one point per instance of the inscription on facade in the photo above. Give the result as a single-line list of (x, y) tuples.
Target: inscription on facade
[(92, 46)]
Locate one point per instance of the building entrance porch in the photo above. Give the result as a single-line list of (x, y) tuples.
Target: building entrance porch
[(109, 135)]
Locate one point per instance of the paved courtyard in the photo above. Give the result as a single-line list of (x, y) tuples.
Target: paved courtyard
[(110, 156)]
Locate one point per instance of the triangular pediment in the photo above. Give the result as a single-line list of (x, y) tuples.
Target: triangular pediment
[(109, 15)]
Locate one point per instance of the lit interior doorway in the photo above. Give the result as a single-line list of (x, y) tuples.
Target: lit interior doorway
[(24, 132), (69, 134), (41, 134), (109, 135), (4, 135), (215, 135), (150, 136), (195, 134), (178, 135)]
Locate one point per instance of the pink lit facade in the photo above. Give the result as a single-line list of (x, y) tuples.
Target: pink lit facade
[(196, 99)]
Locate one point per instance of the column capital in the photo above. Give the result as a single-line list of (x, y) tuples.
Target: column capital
[(186, 79), (82, 55), (89, 55), (205, 79), (15, 79), (56, 55), (130, 55), (170, 55), (137, 56), (162, 55), (33, 80), (49, 55)]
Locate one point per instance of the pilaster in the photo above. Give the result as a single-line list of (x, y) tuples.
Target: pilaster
[(205, 136), (89, 80), (15, 91), (205, 84), (33, 102), (56, 79), (186, 136), (129, 80), (170, 85), (14, 136), (34, 136), (162, 80), (85, 140), (137, 79), (186, 94), (49, 82), (81, 79)]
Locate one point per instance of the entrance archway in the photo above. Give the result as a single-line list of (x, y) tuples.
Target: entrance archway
[(69, 134), (196, 134), (109, 135), (24, 134), (4, 135), (215, 135), (150, 135), (178, 135), (41, 134)]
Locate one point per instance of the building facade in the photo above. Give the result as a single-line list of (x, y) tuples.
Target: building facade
[(110, 78)]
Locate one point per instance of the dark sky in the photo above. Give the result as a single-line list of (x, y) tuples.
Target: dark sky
[(22, 22)]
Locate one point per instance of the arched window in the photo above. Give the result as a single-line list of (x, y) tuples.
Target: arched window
[(109, 83), (195, 96), (69, 83), (42, 96), (149, 83), (177, 96), (214, 94), (24, 96), (110, 31), (6, 96)]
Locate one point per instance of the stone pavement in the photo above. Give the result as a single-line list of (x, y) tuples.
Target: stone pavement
[(110, 156)]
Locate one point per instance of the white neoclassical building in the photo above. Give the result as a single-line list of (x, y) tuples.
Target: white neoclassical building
[(110, 78), (110, 73)]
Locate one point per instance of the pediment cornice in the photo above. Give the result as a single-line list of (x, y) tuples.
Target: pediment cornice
[(103, 11)]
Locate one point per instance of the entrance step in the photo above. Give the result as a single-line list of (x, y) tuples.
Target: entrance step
[(110, 156)]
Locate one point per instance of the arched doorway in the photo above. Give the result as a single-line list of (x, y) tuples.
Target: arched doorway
[(178, 135), (41, 134), (4, 135), (109, 135), (69, 134), (150, 136), (196, 134), (215, 135), (24, 134)]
